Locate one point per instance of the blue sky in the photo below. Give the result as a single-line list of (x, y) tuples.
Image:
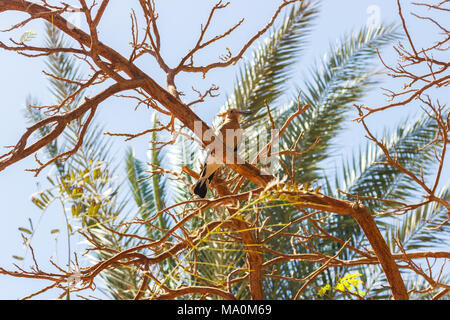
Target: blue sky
[(179, 23)]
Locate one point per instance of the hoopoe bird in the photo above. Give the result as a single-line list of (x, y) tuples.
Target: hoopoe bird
[(211, 164)]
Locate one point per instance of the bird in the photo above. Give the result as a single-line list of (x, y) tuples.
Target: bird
[(211, 163)]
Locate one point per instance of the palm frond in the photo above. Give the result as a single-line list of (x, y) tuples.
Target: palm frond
[(184, 152), (61, 65), (415, 230), (264, 79), (367, 176), (140, 188), (342, 78), (148, 192)]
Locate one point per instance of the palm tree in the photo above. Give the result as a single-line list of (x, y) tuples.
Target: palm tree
[(333, 85)]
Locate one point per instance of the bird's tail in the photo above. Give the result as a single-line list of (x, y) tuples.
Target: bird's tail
[(201, 188), (202, 185)]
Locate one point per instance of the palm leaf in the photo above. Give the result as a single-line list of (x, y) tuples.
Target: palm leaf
[(367, 176), (415, 231), (148, 193), (263, 79)]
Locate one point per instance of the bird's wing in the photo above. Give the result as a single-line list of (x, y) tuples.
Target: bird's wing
[(210, 165)]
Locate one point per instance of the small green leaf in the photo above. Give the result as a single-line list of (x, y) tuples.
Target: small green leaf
[(97, 173), (25, 230), (38, 203), (323, 290), (28, 35), (51, 181), (77, 192)]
